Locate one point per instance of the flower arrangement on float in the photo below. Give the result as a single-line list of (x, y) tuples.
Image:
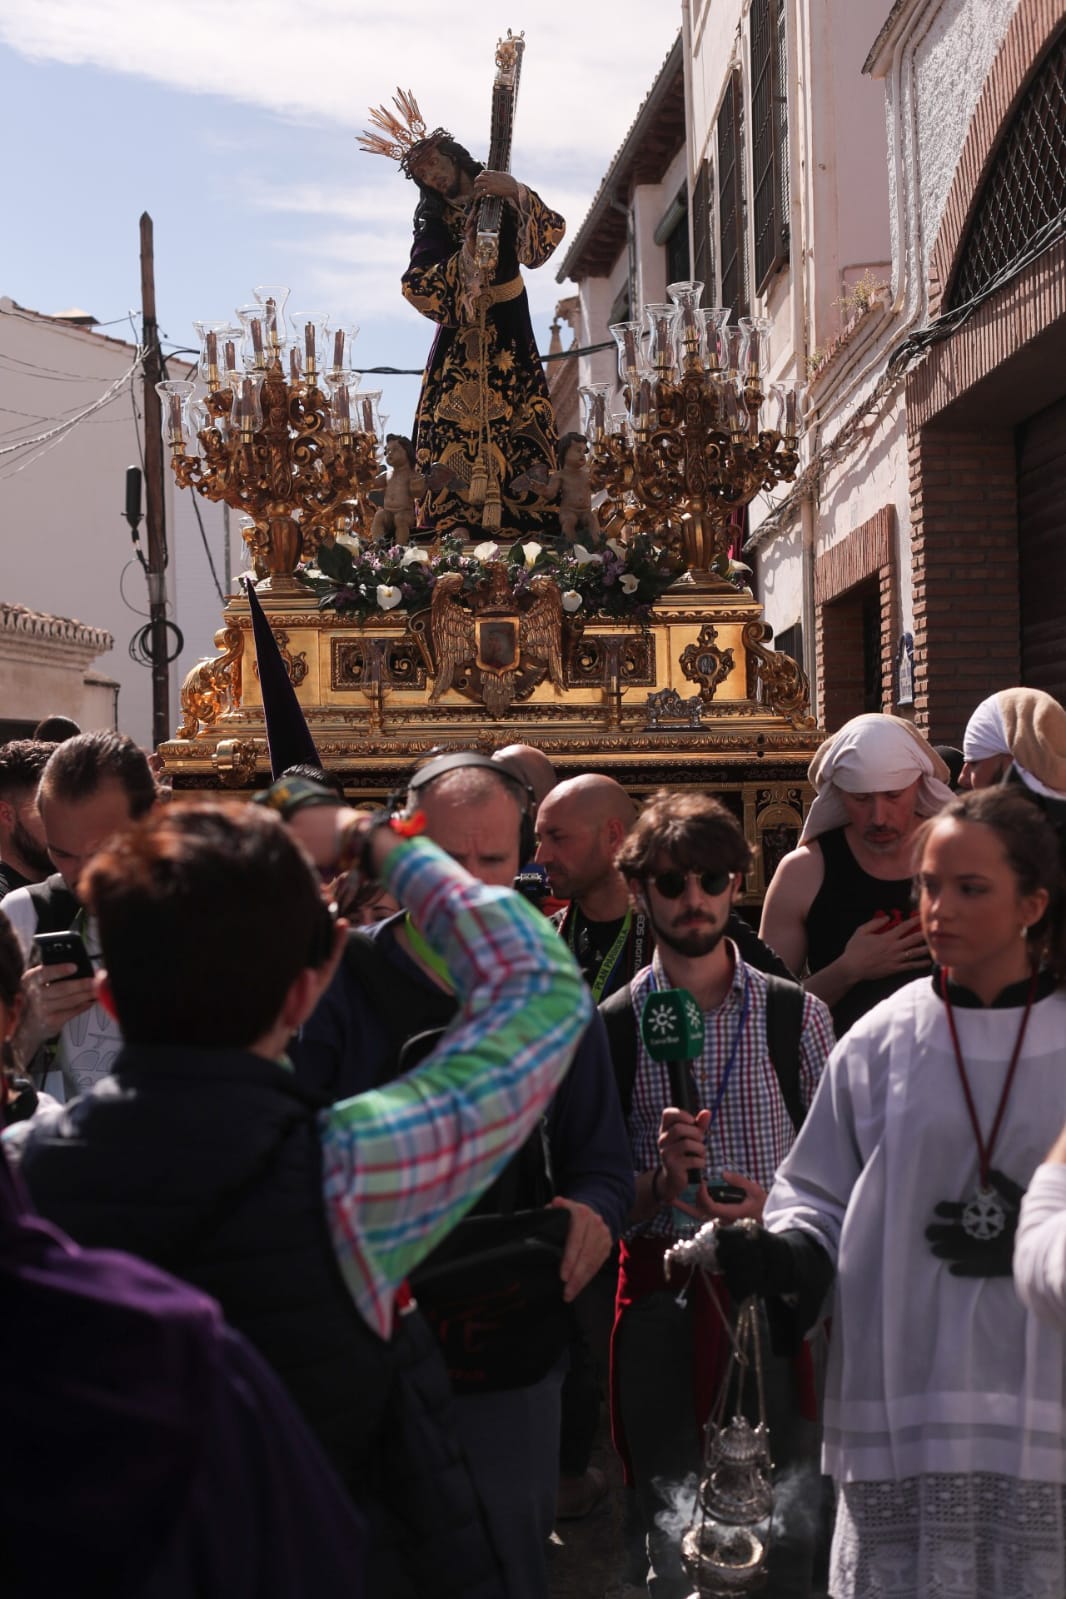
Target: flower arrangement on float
[(620, 579)]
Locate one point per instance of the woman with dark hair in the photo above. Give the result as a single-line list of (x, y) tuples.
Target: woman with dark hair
[(18, 1097), (945, 1412)]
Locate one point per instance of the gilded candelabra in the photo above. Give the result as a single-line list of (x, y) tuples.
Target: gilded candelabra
[(700, 437), (297, 454)]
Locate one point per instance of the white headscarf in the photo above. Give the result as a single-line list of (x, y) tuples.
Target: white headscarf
[(1028, 725), (869, 755)]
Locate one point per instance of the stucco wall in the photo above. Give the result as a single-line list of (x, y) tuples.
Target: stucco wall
[(67, 549)]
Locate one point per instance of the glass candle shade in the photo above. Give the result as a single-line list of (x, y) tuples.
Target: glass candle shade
[(310, 330), (715, 323), (659, 321), (340, 354), (786, 398), (594, 397), (690, 337), (174, 397), (630, 363), (247, 413), (212, 338), (757, 329), (272, 297), (367, 412), (253, 344)]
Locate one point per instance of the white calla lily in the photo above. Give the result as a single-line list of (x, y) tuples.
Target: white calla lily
[(389, 596), (530, 552), (616, 547), (584, 557), (414, 555), (487, 551), (628, 583), (572, 600)]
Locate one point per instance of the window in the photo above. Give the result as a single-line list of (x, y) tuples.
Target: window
[(702, 241), (1023, 198), (769, 139), (732, 209)]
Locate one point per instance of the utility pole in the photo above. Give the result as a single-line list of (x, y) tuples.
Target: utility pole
[(155, 517)]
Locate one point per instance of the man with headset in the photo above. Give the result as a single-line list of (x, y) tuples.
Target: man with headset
[(389, 1000)]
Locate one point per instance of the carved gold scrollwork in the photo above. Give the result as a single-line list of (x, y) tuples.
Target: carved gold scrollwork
[(213, 685), (235, 760), (783, 682), (295, 664), (399, 665), (668, 709), (705, 664), (590, 660)]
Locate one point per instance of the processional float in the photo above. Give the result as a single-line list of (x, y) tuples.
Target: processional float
[(642, 655)]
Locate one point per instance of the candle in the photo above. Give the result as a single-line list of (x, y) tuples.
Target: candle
[(231, 356), (368, 417), (294, 364), (338, 351), (257, 335), (630, 348), (309, 342), (175, 417), (340, 403), (212, 349), (246, 402)]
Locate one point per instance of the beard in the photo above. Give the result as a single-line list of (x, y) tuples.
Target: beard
[(30, 849), (699, 937)]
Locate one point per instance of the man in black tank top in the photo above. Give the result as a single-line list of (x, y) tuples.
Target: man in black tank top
[(839, 906)]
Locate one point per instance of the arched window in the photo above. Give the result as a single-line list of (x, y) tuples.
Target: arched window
[(1023, 198)]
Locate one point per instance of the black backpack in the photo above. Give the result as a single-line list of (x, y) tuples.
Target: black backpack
[(784, 1024)]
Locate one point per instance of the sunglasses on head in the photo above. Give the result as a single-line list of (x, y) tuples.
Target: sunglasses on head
[(671, 884)]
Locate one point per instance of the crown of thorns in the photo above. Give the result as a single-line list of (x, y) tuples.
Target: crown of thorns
[(402, 134)]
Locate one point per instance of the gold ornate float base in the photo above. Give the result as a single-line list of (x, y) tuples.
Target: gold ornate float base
[(694, 696)]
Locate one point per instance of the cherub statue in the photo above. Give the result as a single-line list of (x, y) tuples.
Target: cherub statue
[(395, 516), (569, 484)]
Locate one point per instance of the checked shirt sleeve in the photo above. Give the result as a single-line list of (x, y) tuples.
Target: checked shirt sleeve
[(403, 1163)]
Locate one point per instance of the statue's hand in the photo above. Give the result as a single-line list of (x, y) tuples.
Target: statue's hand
[(500, 183)]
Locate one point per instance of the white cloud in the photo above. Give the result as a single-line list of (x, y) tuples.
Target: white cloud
[(328, 60)]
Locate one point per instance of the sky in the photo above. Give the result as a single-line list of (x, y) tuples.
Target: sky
[(233, 125)]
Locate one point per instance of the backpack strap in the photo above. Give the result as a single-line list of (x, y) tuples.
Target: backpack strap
[(621, 1025), (784, 1028)]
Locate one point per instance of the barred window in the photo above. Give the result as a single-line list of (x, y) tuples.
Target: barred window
[(732, 209), (769, 138), (1023, 197), (702, 242)]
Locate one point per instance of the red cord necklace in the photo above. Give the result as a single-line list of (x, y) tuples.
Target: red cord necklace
[(984, 1215)]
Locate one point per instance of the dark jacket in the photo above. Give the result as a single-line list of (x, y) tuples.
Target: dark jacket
[(208, 1163)]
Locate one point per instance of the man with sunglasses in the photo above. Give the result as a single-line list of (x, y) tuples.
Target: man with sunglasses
[(684, 861)]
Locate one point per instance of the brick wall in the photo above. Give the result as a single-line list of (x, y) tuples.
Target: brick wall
[(963, 469), (964, 523), (841, 575)]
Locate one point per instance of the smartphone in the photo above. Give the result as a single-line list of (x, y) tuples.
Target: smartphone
[(59, 949), (726, 1193)]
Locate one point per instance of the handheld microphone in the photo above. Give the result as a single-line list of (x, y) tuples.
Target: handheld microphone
[(671, 1025)]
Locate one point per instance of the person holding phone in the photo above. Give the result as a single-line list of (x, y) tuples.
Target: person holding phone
[(764, 1045), (92, 787)]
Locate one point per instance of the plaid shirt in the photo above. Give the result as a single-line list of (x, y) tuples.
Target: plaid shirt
[(401, 1164), (752, 1132)]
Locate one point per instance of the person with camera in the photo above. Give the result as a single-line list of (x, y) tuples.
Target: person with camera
[(206, 1154), (567, 1190)]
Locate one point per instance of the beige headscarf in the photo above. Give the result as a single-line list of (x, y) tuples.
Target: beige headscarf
[(1030, 727), (870, 754)]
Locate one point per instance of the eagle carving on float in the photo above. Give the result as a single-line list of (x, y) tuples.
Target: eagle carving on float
[(458, 634)]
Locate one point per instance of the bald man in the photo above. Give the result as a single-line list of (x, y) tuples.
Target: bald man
[(580, 828), (581, 825), (532, 766)]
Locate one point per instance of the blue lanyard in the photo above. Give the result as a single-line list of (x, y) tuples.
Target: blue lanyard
[(734, 1052)]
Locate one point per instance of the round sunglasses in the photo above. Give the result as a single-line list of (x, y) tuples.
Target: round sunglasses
[(671, 884)]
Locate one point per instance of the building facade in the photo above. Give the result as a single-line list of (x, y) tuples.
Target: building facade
[(886, 186), (67, 547)]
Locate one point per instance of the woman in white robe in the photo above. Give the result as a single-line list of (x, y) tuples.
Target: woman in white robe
[(945, 1411)]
